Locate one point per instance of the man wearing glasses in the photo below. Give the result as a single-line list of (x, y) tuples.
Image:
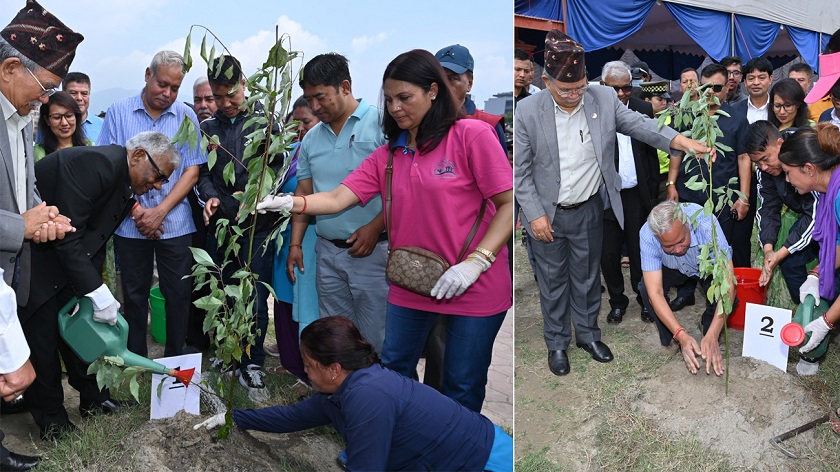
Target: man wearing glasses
[(564, 163), (31, 70), (735, 163), (99, 186), (670, 254), (734, 76), (159, 228), (637, 165)]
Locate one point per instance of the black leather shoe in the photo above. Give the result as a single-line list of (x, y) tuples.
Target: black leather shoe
[(17, 405), (616, 315), (679, 303), (646, 316), (54, 432), (558, 362), (599, 351), (19, 462), (106, 408)]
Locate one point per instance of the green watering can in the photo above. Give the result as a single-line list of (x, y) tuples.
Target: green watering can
[(91, 339), (793, 334)]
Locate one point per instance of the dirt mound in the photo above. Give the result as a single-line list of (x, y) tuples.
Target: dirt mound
[(763, 402), (173, 445)]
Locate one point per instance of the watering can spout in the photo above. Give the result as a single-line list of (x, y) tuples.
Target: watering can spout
[(91, 339), (793, 334)]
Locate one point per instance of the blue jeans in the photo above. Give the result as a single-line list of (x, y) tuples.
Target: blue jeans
[(469, 349)]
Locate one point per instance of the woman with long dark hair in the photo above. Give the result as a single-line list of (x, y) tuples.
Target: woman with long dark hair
[(787, 105), (60, 124), (811, 161), (388, 421), (445, 170)]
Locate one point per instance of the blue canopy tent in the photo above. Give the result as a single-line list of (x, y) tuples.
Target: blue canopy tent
[(673, 34)]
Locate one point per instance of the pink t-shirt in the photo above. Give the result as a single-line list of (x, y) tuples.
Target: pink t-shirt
[(435, 201)]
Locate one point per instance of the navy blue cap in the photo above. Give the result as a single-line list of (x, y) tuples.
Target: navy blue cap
[(456, 58)]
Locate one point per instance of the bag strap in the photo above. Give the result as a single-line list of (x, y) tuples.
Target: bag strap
[(389, 172)]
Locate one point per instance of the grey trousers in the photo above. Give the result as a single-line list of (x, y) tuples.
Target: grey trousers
[(568, 274), (355, 287)]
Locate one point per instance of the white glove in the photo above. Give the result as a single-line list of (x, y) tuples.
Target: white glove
[(818, 329), (459, 277), (212, 422), (105, 306), (275, 203), (810, 287)]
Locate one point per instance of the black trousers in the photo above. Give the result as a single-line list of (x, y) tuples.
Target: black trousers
[(45, 397), (673, 278), (174, 260), (196, 337), (635, 213)]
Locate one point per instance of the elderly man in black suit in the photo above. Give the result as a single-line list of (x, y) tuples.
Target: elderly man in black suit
[(637, 165), (96, 186)]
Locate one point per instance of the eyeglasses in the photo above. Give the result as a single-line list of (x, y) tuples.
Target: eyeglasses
[(568, 93), (69, 116), (623, 88), (735, 73), (46, 92), (162, 178), (788, 107)]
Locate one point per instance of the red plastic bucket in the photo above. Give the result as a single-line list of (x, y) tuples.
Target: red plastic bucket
[(747, 291)]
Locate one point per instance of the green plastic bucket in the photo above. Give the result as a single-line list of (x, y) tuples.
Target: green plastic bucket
[(158, 309)]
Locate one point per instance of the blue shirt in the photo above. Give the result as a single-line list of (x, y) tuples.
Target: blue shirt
[(654, 257), (93, 127), (128, 117), (389, 422), (328, 159)]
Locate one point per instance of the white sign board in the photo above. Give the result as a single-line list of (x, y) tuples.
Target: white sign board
[(174, 396), (762, 334)]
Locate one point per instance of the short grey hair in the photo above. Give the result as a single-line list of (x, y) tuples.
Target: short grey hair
[(617, 69), (201, 80), (166, 59), (157, 144), (662, 217), (8, 51)]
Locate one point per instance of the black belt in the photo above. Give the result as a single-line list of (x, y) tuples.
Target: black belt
[(343, 244), (575, 206)]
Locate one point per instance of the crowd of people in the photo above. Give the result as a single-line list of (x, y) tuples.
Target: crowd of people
[(611, 194), (83, 182)]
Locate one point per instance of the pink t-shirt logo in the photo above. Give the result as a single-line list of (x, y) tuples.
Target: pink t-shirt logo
[(445, 169)]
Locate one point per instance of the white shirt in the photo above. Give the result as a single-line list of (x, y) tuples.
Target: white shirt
[(626, 162), (14, 127), (580, 175), (754, 114), (13, 345)]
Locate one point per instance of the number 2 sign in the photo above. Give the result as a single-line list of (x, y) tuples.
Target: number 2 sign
[(762, 327)]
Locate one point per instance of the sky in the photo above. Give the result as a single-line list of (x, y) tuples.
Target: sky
[(121, 36)]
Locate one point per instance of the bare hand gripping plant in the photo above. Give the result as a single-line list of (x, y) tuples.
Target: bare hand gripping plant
[(231, 307), (702, 125)]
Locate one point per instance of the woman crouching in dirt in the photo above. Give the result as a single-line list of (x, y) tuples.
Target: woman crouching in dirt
[(811, 160), (388, 421)]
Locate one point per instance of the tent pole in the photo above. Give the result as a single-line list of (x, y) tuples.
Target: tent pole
[(732, 31), (565, 25)]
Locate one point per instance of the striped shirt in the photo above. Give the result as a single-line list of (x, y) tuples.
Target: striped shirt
[(128, 117), (654, 257)]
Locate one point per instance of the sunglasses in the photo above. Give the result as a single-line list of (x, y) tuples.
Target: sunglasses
[(162, 178), (623, 88), (716, 88)]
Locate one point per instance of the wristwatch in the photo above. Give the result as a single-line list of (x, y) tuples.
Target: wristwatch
[(486, 253), (670, 182)]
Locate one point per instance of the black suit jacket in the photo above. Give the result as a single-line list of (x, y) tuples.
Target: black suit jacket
[(645, 157), (91, 186)]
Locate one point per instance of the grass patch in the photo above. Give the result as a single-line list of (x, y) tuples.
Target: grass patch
[(537, 462)]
